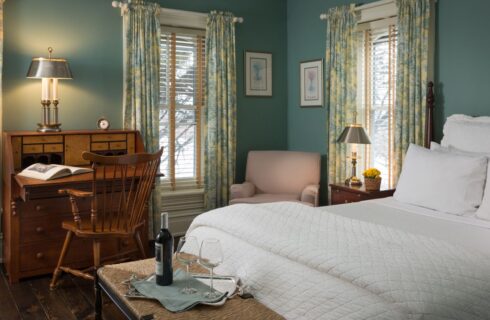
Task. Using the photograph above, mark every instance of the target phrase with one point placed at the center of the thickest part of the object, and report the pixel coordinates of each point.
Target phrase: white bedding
(307, 263)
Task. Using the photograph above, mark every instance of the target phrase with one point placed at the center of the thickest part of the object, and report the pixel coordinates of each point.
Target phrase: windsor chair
(121, 189)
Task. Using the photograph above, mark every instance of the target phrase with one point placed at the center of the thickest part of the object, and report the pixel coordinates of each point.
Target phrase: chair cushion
(282, 172)
(265, 197)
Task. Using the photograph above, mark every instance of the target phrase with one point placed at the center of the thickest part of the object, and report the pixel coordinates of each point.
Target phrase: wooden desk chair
(120, 193)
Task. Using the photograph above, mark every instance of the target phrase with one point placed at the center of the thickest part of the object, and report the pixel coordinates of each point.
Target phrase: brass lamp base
(353, 181)
(54, 127)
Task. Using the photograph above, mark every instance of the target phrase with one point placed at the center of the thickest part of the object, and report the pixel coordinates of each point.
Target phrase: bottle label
(159, 259)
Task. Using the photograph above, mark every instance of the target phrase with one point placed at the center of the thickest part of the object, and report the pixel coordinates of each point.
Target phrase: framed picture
(258, 74)
(311, 83)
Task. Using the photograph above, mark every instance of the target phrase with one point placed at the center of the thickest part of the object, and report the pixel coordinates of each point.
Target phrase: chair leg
(139, 243)
(96, 248)
(64, 250)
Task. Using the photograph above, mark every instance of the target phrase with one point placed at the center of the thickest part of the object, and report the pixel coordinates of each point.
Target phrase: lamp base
(353, 181)
(55, 127)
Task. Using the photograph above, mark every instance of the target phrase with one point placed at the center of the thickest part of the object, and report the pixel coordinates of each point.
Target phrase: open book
(51, 171)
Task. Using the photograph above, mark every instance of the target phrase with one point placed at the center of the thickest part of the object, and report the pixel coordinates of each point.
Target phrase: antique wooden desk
(33, 210)
(110, 281)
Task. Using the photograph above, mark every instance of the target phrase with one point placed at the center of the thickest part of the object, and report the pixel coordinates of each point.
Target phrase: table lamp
(354, 134)
(49, 70)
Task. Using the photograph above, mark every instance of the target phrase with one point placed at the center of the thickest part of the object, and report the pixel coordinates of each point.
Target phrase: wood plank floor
(32, 299)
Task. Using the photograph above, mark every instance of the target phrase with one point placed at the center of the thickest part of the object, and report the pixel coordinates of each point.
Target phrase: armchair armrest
(310, 194)
(74, 194)
(243, 190)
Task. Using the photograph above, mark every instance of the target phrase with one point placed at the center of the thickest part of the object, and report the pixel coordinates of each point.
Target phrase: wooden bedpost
(429, 130)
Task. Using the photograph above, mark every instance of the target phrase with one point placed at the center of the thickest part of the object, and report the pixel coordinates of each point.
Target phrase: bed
(354, 261)
(377, 259)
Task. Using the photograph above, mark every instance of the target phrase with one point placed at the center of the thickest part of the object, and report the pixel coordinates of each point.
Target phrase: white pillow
(442, 181)
(484, 211)
(467, 133)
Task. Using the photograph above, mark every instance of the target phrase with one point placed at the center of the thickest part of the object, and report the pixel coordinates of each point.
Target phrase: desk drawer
(109, 137)
(121, 145)
(48, 208)
(32, 148)
(100, 146)
(44, 228)
(45, 255)
(53, 148)
(42, 139)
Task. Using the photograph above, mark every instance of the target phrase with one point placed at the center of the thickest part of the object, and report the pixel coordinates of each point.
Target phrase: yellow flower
(371, 173)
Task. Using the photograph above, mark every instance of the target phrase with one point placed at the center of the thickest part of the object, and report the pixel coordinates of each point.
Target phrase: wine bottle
(164, 245)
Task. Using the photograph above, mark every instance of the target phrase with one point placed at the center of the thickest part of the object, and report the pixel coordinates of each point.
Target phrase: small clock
(103, 124)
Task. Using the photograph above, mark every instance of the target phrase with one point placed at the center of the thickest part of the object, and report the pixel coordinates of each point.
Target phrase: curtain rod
(323, 16)
(124, 6)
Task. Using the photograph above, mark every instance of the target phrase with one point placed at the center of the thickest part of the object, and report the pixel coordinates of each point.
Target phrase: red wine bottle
(164, 245)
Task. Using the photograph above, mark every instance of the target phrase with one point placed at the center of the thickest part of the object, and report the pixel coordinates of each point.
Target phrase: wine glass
(211, 256)
(186, 254)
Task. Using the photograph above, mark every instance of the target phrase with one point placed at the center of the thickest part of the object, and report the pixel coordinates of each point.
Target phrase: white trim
(172, 17)
(375, 11)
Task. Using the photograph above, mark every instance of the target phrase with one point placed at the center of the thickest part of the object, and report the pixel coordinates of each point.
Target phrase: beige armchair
(273, 176)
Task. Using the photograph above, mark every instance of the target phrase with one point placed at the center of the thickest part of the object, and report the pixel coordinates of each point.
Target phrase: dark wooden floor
(32, 299)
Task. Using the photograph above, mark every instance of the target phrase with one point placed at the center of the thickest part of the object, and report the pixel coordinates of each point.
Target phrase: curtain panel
(141, 110)
(141, 71)
(341, 84)
(412, 76)
(220, 109)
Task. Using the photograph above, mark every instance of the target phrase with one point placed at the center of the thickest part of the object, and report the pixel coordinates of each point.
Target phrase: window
(376, 96)
(181, 99)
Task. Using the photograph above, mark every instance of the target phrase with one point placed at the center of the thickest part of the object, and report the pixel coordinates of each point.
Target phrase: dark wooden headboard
(429, 130)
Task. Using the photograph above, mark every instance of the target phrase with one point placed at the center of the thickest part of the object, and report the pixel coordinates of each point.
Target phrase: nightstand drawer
(342, 193)
(339, 197)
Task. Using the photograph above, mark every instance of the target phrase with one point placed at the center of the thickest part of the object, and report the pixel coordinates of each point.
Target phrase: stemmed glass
(186, 254)
(211, 256)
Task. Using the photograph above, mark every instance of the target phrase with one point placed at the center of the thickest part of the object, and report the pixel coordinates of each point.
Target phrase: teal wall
(89, 34)
(462, 66)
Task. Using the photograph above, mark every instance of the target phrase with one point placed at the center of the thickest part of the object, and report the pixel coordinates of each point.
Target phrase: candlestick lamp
(49, 70)
(354, 134)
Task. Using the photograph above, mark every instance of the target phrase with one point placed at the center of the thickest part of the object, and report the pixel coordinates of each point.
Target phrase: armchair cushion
(282, 172)
(243, 190)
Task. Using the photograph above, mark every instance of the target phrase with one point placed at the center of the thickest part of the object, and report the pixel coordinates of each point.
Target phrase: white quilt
(305, 263)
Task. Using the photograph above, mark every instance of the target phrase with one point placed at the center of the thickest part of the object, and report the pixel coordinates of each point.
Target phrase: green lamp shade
(354, 134)
(49, 68)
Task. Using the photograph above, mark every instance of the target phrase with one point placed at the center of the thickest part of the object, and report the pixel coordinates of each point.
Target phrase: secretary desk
(33, 210)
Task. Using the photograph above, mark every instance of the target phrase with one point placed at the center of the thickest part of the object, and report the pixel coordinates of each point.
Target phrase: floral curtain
(220, 111)
(141, 37)
(341, 84)
(141, 71)
(412, 76)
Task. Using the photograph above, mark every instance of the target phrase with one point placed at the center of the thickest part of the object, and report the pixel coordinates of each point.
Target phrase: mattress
(468, 231)
(371, 260)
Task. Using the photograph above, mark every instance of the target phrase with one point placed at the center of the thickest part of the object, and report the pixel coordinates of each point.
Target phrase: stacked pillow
(452, 177)
(443, 181)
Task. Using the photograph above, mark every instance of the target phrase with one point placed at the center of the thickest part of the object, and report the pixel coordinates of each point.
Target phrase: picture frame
(258, 74)
(311, 83)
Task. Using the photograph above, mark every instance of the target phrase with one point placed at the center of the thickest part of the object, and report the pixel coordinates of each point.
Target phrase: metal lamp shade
(354, 134)
(49, 68)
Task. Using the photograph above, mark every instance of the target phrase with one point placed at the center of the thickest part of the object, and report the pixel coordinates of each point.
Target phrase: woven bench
(110, 281)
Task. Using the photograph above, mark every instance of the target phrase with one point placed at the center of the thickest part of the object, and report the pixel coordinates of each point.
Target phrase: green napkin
(171, 297)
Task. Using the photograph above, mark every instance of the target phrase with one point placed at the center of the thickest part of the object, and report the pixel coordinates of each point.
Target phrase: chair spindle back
(121, 186)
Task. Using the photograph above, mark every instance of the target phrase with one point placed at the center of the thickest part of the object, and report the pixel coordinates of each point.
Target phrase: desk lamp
(49, 70)
(354, 134)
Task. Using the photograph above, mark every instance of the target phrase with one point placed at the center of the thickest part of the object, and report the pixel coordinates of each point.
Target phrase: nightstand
(341, 193)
